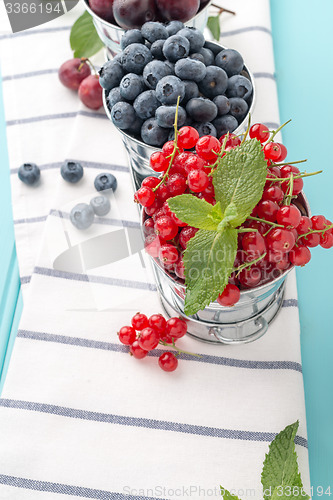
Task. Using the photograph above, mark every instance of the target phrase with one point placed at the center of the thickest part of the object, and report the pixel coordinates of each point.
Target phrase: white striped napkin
(78, 416)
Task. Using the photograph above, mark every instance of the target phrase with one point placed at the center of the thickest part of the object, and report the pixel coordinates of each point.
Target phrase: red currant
(148, 339)
(253, 244)
(273, 193)
(176, 184)
(176, 328)
(153, 244)
(284, 152)
(180, 268)
(168, 362)
(230, 296)
(127, 335)
(197, 180)
(187, 137)
(194, 162)
(300, 256)
(288, 216)
(272, 151)
(318, 222)
(150, 182)
(250, 276)
(311, 240)
(259, 131)
(232, 142)
(286, 172)
(159, 162)
(168, 254)
(136, 351)
(267, 210)
(158, 323)
(139, 321)
(162, 193)
(326, 239)
(145, 196)
(260, 226)
(304, 226)
(168, 148)
(185, 235)
(207, 147)
(148, 226)
(166, 227)
(280, 240)
(153, 208)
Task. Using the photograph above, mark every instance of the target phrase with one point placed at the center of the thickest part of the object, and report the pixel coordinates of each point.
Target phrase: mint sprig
(84, 39)
(239, 179)
(280, 476)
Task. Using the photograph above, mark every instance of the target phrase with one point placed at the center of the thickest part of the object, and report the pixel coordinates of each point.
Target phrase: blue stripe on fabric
(85, 164)
(262, 74)
(202, 358)
(25, 279)
(29, 74)
(33, 119)
(246, 29)
(35, 32)
(67, 489)
(146, 423)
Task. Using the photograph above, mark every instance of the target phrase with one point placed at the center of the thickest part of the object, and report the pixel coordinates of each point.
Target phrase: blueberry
(201, 109)
(154, 72)
(190, 69)
(176, 47)
(169, 89)
(82, 216)
(173, 27)
(214, 47)
(29, 173)
(135, 128)
(170, 65)
(198, 57)
(191, 90)
(239, 86)
(105, 181)
(118, 58)
(129, 37)
(223, 104)
(100, 205)
(208, 56)
(123, 115)
(153, 31)
(135, 58)
(131, 86)
(71, 171)
(157, 49)
(238, 108)
(153, 134)
(165, 116)
(206, 128)
(110, 75)
(230, 60)
(146, 104)
(215, 82)
(224, 124)
(194, 36)
(114, 96)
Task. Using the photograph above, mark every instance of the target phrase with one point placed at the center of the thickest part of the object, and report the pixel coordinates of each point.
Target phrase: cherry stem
(175, 149)
(238, 269)
(273, 224)
(222, 9)
(86, 60)
(278, 130)
(287, 199)
(314, 231)
(179, 351)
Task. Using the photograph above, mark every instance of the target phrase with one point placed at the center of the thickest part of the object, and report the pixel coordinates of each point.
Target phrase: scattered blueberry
(153, 134)
(100, 205)
(190, 69)
(110, 75)
(105, 181)
(146, 104)
(131, 36)
(215, 82)
(223, 104)
(230, 60)
(238, 108)
(153, 31)
(173, 27)
(154, 72)
(195, 37)
(239, 86)
(135, 58)
(176, 47)
(131, 86)
(82, 216)
(29, 173)
(71, 171)
(169, 89)
(224, 124)
(165, 116)
(206, 128)
(114, 96)
(123, 115)
(201, 109)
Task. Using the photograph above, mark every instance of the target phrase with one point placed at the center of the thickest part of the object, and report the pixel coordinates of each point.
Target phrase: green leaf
(227, 495)
(196, 212)
(239, 179)
(208, 259)
(213, 24)
(84, 39)
(280, 471)
(230, 214)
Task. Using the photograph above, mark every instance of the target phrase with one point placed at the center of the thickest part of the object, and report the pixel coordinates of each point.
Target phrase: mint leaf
(213, 24)
(227, 495)
(280, 477)
(239, 178)
(230, 214)
(84, 39)
(209, 259)
(196, 212)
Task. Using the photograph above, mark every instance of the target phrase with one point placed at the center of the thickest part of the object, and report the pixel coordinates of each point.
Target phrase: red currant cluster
(145, 334)
(282, 232)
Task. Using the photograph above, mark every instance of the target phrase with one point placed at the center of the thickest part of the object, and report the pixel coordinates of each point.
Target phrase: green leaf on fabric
(227, 495)
(213, 24)
(196, 212)
(84, 39)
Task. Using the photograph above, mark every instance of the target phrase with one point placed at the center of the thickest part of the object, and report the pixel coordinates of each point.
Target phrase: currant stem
(297, 176)
(322, 231)
(219, 155)
(265, 221)
(179, 351)
(287, 199)
(238, 269)
(288, 163)
(247, 130)
(278, 130)
(247, 230)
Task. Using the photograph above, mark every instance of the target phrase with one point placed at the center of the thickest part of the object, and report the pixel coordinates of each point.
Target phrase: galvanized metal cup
(139, 153)
(244, 322)
(111, 34)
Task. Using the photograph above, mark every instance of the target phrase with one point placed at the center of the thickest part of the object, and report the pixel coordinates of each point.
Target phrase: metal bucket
(244, 322)
(139, 153)
(111, 34)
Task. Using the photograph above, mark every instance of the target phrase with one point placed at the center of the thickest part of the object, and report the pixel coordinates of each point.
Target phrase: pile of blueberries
(160, 63)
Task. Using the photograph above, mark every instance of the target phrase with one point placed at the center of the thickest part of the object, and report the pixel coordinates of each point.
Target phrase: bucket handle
(217, 331)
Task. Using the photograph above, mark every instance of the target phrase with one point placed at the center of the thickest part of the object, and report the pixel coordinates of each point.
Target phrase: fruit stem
(322, 231)
(247, 130)
(238, 269)
(297, 176)
(287, 199)
(86, 60)
(247, 230)
(288, 163)
(219, 155)
(179, 351)
(265, 221)
(278, 130)
(222, 9)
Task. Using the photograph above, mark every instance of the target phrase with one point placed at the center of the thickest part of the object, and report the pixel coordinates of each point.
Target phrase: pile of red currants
(282, 235)
(145, 334)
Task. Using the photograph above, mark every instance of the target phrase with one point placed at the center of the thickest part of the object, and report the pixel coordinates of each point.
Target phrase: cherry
(207, 147)
(267, 210)
(127, 335)
(179, 11)
(176, 328)
(185, 235)
(288, 216)
(272, 151)
(159, 162)
(148, 339)
(260, 132)
(103, 8)
(136, 351)
(168, 362)
(230, 296)
(139, 321)
(131, 14)
(153, 244)
(280, 240)
(91, 93)
(72, 72)
(168, 254)
(187, 137)
(300, 256)
(197, 180)
(158, 323)
(145, 196)
(176, 184)
(166, 227)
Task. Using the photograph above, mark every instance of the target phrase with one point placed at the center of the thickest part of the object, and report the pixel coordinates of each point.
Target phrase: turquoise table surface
(303, 40)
